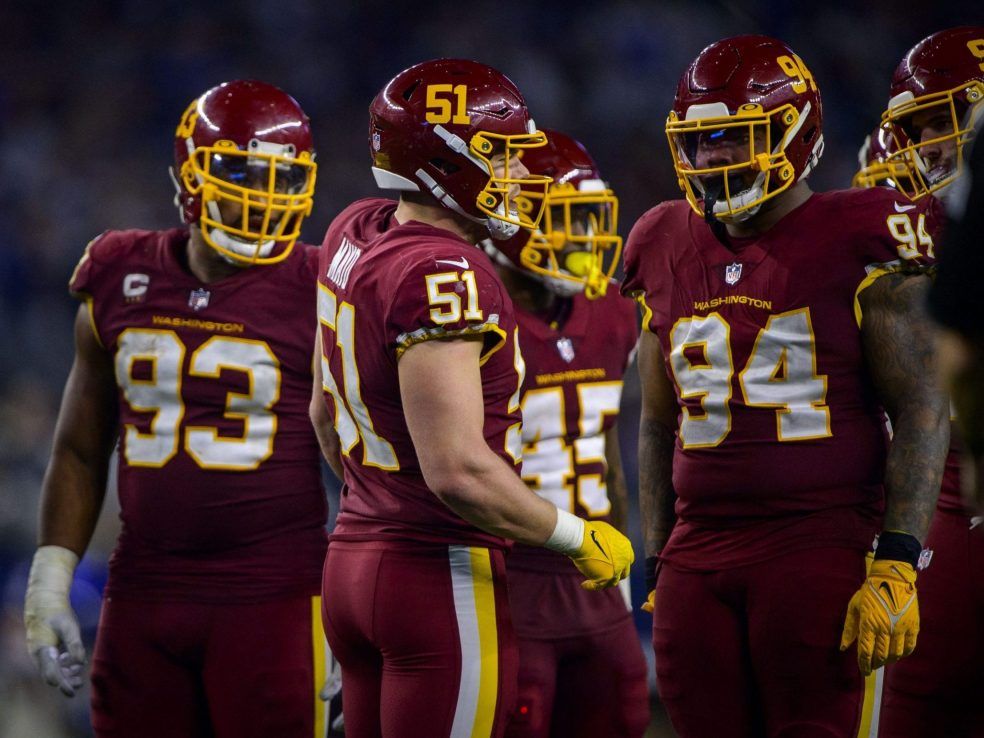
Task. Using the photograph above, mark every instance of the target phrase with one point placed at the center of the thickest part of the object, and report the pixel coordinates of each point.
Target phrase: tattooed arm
(657, 434)
(897, 340)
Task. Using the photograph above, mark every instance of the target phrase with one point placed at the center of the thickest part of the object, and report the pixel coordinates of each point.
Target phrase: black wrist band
(651, 562)
(898, 546)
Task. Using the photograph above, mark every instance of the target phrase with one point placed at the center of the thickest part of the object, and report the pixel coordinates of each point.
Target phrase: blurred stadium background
(91, 91)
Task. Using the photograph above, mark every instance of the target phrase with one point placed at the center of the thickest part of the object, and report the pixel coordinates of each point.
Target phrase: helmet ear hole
(408, 92)
(444, 166)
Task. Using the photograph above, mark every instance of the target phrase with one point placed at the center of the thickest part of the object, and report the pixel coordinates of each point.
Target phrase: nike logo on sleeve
(461, 264)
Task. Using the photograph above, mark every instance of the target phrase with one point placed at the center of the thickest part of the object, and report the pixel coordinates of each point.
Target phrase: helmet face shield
(757, 170)
(577, 240)
(257, 198)
(951, 115)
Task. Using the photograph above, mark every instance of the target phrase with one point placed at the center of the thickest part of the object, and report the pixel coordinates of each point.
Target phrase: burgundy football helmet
(878, 165)
(436, 127)
(245, 147)
(941, 79)
(576, 246)
(754, 88)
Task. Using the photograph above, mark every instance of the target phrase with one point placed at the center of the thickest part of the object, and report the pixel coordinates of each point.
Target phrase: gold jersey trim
(406, 340)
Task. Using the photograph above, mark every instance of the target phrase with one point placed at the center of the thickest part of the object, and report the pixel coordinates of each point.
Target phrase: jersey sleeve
(902, 234)
(89, 282)
(898, 236)
(84, 279)
(634, 283)
(440, 298)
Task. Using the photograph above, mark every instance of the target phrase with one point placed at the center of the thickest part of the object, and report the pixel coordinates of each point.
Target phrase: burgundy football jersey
(219, 468)
(383, 287)
(571, 398)
(779, 426)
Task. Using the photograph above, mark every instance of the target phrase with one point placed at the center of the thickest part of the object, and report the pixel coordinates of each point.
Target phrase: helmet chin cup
(500, 229)
(750, 195)
(234, 250)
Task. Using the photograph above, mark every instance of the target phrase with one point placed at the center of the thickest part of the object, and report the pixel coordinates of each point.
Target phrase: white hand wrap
(53, 636)
(567, 535)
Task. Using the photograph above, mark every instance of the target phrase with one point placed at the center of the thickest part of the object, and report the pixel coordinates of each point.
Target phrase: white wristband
(52, 570)
(567, 535)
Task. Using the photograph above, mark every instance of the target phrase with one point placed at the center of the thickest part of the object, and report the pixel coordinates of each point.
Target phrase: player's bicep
(87, 419)
(445, 420)
(659, 401)
(897, 341)
(75, 482)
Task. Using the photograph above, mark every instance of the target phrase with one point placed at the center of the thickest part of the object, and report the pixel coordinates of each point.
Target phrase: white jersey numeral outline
(780, 374)
(161, 394)
(549, 462)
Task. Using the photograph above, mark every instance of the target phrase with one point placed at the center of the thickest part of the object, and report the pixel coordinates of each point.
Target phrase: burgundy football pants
(423, 634)
(582, 687)
(939, 689)
(208, 671)
(753, 651)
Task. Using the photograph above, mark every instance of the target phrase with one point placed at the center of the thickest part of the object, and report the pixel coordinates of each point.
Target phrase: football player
(937, 94)
(422, 377)
(778, 323)
(581, 668)
(193, 354)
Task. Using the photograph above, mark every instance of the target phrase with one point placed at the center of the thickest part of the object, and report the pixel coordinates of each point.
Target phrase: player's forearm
(656, 495)
(914, 470)
(618, 496)
(71, 499)
(898, 343)
(328, 441)
(618, 493)
(489, 495)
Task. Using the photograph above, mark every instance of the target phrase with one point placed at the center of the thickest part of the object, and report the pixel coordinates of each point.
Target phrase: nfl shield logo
(375, 141)
(925, 556)
(198, 299)
(732, 273)
(566, 349)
